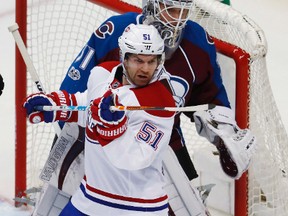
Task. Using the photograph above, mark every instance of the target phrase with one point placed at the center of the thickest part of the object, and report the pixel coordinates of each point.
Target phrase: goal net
(55, 32)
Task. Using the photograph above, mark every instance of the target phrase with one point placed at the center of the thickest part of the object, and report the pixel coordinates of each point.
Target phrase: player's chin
(142, 82)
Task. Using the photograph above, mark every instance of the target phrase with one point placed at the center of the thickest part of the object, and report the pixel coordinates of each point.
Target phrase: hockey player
(123, 150)
(1, 84)
(190, 60)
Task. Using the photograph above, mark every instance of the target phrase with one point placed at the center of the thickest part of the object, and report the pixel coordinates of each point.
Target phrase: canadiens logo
(74, 74)
(106, 28)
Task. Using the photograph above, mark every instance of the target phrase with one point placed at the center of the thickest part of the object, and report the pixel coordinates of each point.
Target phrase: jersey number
(85, 56)
(149, 134)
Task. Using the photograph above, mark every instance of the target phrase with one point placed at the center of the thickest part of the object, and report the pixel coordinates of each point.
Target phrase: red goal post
(44, 25)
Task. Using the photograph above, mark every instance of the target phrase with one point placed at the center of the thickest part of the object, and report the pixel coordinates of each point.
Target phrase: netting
(58, 29)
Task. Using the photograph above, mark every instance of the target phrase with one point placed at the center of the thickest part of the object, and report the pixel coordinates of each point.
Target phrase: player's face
(172, 14)
(140, 68)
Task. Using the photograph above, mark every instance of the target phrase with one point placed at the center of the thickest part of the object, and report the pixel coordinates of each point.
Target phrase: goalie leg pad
(184, 199)
(64, 167)
(61, 171)
(52, 202)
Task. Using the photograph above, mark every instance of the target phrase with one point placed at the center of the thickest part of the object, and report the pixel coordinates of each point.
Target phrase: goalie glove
(236, 146)
(53, 99)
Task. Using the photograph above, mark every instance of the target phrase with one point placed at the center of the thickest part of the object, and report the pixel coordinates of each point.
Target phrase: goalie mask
(145, 40)
(169, 17)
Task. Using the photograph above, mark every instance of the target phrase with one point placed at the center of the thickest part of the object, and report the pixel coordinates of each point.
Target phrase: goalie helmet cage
(56, 30)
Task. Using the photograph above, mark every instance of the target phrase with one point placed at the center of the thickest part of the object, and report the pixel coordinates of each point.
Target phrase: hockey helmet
(140, 39)
(169, 26)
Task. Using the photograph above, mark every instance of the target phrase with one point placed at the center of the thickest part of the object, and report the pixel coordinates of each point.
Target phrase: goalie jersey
(193, 69)
(125, 176)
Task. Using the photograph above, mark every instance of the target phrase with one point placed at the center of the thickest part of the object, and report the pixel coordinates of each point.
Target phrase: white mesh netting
(58, 29)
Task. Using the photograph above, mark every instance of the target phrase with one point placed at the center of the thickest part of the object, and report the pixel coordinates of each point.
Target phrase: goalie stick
(29, 64)
(22, 48)
(131, 108)
(184, 199)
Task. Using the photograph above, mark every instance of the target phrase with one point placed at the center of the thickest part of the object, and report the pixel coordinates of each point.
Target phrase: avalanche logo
(106, 28)
(180, 89)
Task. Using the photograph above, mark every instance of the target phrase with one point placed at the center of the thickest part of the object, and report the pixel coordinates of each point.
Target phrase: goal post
(55, 31)
(242, 62)
(20, 93)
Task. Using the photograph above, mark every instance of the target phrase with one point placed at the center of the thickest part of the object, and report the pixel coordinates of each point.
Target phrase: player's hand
(1, 84)
(108, 124)
(53, 99)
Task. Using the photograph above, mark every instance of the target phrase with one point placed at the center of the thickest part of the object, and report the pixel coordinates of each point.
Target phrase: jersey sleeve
(147, 134)
(101, 46)
(81, 101)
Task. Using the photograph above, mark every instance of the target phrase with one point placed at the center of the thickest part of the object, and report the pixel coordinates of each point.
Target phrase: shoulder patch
(74, 74)
(106, 28)
(155, 94)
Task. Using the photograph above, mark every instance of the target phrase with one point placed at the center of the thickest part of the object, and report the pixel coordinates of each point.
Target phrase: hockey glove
(1, 84)
(53, 99)
(236, 146)
(108, 124)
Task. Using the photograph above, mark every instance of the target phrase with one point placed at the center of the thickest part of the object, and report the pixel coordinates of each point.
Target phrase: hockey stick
(131, 108)
(29, 64)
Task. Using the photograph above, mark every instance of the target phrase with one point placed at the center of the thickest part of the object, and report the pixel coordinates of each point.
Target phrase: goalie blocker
(236, 146)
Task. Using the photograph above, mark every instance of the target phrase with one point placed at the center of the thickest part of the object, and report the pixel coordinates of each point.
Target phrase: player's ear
(125, 62)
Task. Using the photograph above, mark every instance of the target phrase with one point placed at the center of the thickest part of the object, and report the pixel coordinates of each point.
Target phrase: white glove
(236, 146)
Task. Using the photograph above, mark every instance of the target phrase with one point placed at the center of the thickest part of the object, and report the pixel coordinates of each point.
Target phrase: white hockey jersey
(124, 177)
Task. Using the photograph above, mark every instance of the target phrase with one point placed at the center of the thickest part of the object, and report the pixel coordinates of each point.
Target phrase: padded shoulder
(109, 65)
(156, 95)
(100, 73)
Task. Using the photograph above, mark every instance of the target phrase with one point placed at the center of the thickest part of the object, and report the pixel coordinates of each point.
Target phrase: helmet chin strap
(126, 76)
